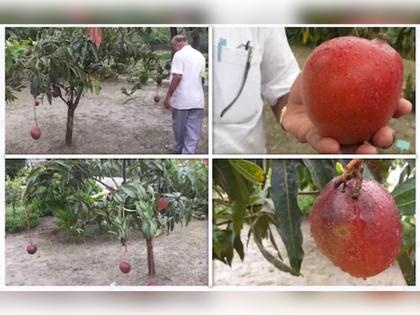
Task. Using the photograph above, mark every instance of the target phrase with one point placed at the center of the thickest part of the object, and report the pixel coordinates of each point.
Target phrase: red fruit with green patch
(125, 267)
(162, 204)
(360, 234)
(31, 249)
(35, 133)
(351, 86)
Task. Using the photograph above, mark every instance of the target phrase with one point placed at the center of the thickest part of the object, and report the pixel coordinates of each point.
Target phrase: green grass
(17, 222)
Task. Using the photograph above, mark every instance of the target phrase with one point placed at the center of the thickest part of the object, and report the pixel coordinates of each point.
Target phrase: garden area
(98, 222)
(304, 40)
(314, 222)
(92, 90)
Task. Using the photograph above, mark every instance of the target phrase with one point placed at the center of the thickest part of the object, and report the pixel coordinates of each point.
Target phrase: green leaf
(407, 268)
(130, 191)
(305, 37)
(222, 245)
(275, 261)
(322, 171)
(239, 247)
(238, 189)
(251, 171)
(376, 169)
(405, 196)
(284, 185)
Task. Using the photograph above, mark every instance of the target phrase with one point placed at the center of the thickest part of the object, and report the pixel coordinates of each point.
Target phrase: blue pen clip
(222, 43)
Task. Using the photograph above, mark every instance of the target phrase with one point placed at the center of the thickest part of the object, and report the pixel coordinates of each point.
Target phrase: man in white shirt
(255, 64)
(185, 95)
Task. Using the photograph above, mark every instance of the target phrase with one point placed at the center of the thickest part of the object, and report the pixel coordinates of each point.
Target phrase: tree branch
(112, 189)
(311, 192)
(62, 98)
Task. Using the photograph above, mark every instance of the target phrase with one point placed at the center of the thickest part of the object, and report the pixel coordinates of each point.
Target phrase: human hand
(167, 102)
(296, 122)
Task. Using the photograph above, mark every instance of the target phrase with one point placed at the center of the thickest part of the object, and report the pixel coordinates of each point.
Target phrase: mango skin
(162, 204)
(351, 86)
(361, 236)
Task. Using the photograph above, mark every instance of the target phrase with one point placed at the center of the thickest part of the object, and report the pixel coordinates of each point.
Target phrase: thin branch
(223, 222)
(64, 100)
(230, 221)
(112, 178)
(311, 192)
(112, 189)
(78, 96)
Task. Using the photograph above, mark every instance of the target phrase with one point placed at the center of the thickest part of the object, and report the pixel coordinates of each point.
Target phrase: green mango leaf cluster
(77, 194)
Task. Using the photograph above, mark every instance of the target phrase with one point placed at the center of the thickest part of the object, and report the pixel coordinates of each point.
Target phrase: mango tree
(150, 196)
(150, 204)
(62, 64)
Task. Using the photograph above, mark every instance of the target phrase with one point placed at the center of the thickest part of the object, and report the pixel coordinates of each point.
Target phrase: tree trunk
(69, 132)
(124, 167)
(72, 104)
(174, 31)
(196, 42)
(150, 257)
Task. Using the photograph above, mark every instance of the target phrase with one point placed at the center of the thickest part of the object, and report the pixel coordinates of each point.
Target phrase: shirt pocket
(229, 75)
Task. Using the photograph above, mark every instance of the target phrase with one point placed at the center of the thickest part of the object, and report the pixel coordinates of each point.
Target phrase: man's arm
(176, 78)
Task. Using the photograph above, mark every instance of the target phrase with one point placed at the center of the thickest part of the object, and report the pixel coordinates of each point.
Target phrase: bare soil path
(108, 123)
(181, 259)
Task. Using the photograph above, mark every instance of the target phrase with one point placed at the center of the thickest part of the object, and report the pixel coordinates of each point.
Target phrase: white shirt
(273, 71)
(190, 63)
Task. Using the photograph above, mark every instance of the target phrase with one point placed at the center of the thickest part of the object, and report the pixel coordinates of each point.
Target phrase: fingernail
(393, 141)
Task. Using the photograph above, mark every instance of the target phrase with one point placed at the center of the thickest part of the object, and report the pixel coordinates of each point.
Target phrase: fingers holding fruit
(404, 107)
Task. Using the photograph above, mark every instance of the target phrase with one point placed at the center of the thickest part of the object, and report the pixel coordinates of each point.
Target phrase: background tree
(13, 166)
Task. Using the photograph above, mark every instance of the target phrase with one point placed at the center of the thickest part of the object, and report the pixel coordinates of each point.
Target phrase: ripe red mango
(31, 249)
(361, 236)
(351, 86)
(125, 267)
(162, 204)
(35, 133)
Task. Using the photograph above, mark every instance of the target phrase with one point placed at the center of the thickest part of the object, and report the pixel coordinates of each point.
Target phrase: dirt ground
(180, 259)
(280, 142)
(316, 268)
(108, 123)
